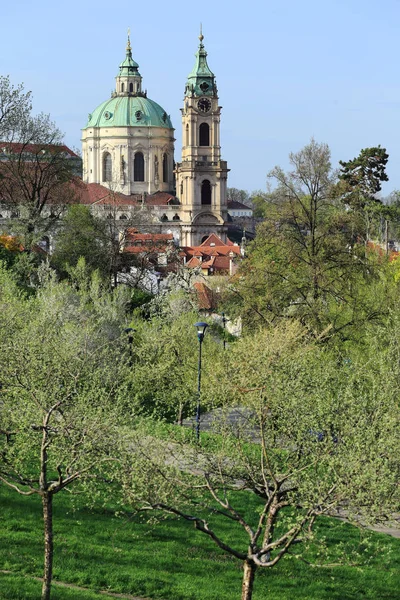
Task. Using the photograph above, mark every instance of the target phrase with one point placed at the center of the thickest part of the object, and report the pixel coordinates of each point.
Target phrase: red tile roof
(17, 148)
(205, 296)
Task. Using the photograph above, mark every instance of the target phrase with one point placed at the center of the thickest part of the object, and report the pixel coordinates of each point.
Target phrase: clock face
(204, 105)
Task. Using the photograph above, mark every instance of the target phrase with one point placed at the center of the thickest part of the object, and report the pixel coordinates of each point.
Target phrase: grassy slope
(169, 561)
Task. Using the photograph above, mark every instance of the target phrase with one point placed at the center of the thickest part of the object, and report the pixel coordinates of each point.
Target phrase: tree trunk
(47, 502)
(249, 571)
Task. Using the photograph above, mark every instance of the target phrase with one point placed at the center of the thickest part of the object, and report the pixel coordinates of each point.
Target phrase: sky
(286, 71)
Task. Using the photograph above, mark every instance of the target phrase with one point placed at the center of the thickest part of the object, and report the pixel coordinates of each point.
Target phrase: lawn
(169, 560)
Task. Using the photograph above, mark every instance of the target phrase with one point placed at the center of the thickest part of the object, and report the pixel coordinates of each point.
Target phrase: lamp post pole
(130, 331)
(224, 324)
(201, 329)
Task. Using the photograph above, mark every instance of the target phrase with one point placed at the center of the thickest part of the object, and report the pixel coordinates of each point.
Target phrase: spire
(201, 36)
(128, 45)
(201, 80)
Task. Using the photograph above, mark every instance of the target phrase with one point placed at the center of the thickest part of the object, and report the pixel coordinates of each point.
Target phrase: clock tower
(201, 176)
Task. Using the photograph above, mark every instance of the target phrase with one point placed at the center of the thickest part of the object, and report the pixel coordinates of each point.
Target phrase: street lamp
(201, 329)
(130, 331)
(224, 324)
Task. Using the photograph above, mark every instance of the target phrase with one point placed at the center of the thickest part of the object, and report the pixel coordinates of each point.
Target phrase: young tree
(63, 368)
(315, 435)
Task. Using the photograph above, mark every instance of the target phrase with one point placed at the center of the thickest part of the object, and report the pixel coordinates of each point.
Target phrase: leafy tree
(82, 235)
(165, 355)
(362, 178)
(305, 261)
(63, 366)
(316, 435)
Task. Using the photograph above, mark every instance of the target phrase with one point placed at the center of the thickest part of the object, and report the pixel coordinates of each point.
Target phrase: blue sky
(286, 71)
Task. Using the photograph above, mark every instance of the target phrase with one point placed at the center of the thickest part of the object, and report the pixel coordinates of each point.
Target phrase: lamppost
(130, 331)
(201, 329)
(224, 324)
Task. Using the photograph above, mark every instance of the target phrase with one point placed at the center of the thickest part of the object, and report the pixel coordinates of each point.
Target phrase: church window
(187, 135)
(138, 167)
(206, 192)
(204, 131)
(107, 167)
(122, 87)
(164, 217)
(176, 217)
(165, 168)
(131, 88)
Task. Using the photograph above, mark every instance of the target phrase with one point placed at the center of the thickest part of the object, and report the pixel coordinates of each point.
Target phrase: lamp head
(201, 329)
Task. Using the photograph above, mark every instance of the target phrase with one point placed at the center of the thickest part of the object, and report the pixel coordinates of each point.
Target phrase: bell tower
(201, 176)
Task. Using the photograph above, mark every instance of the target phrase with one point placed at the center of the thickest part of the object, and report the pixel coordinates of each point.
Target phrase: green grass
(170, 560)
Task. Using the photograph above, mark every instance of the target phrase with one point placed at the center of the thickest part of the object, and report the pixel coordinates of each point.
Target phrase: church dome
(129, 111)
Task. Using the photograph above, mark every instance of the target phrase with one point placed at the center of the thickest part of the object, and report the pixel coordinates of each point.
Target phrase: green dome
(129, 111)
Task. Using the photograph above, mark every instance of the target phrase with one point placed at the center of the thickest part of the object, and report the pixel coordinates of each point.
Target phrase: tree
(37, 173)
(316, 435)
(305, 261)
(82, 235)
(362, 178)
(63, 368)
(15, 104)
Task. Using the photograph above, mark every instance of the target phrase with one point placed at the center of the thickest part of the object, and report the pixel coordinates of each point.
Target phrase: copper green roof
(129, 111)
(128, 66)
(201, 80)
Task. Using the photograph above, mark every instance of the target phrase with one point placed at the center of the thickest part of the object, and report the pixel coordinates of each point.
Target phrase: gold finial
(128, 45)
(201, 36)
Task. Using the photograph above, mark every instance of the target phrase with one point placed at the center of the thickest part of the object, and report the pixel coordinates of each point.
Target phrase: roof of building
(97, 194)
(128, 65)
(212, 253)
(205, 296)
(235, 205)
(137, 243)
(129, 111)
(35, 149)
(201, 80)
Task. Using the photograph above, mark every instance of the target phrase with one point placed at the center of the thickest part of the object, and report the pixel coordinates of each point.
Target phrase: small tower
(201, 177)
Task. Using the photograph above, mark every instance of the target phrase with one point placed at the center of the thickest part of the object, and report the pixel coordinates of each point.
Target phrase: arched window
(107, 167)
(187, 135)
(122, 87)
(206, 192)
(164, 217)
(138, 167)
(131, 88)
(176, 217)
(122, 217)
(204, 132)
(165, 168)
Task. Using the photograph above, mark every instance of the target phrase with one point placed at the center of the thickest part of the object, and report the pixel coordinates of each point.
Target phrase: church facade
(128, 148)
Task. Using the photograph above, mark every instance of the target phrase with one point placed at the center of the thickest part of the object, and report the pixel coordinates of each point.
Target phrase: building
(213, 256)
(128, 148)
